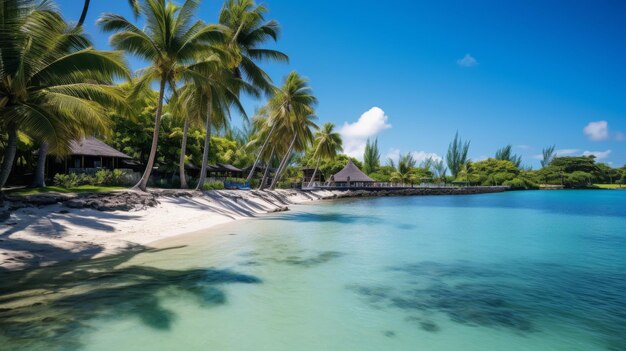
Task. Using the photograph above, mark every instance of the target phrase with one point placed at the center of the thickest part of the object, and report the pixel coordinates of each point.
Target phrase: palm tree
(300, 128)
(404, 169)
(294, 98)
(39, 180)
(53, 85)
(326, 145)
(246, 21)
(216, 92)
(171, 42)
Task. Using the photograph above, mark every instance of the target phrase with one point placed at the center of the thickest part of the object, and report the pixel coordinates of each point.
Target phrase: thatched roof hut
(351, 173)
(91, 146)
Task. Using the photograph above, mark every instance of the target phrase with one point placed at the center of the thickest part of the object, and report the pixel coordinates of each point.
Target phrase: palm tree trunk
(40, 171)
(205, 152)
(258, 157)
(9, 154)
(283, 163)
(267, 170)
(315, 171)
(83, 15)
(143, 182)
(183, 150)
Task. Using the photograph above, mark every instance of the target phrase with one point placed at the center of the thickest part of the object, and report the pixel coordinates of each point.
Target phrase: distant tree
(548, 155)
(506, 154)
(371, 157)
(326, 144)
(440, 170)
(404, 169)
(457, 155)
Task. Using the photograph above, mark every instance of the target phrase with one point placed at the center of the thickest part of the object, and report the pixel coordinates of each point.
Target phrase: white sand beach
(43, 236)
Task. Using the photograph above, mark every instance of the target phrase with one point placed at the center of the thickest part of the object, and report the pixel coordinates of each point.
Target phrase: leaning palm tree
(134, 5)
(294, 98)
(326, 145)
(171, 42)
(300, 128)
(53, 85)
(246, 22)
(216, 93)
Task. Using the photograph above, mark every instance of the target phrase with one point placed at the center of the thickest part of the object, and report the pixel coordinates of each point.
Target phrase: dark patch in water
(429, 326)
(250, 263)
(389, 333)
(322, 257)
(71, 296)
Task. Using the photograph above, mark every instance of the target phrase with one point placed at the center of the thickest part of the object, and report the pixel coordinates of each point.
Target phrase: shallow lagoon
(512, 271)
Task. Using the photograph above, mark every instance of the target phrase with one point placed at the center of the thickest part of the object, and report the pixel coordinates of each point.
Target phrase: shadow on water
(307, 262)
(49, 308)
(522, 297)
(334, 217)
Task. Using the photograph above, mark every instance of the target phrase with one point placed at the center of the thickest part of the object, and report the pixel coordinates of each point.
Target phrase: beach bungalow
(224, 170)
(87, 156)
(351, 176)
(307, 174)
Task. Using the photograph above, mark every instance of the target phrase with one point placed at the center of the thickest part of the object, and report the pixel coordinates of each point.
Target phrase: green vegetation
(58, 189)
(610, 186)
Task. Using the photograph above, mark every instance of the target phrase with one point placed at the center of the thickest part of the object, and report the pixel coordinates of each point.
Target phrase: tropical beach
(237, 175)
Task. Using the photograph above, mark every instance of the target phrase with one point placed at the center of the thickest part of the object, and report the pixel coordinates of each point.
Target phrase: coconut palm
(246, 21)
(299, 127)
(39, 180)
(404, 169)
(457, 155)
(294, 98)
(326, 145)
(53, 85)
(215, 93)
(171, 42)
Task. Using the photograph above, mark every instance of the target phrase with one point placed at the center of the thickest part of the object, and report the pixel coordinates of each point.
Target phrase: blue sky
(411, 73)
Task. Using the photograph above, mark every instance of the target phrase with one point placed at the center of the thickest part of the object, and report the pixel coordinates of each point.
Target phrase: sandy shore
(46, 235)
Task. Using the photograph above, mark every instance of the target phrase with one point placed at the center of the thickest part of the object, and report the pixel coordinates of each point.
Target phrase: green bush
(521, 183)
(213, 185)
(116, 177)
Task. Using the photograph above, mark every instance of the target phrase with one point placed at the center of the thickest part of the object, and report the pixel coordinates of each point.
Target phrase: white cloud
(418, 156)
(393, 154)
(561, 152)
(597, 130)
(368, 126)
(565, 152)
(598, 154)
(421, 156)
(467, 61)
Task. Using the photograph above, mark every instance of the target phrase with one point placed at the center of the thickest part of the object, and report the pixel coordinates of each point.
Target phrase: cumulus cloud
(561, 152)
(393, 154)
(597, 130)
(467, 61)
(418, 156)
(421, 156)
(368, 126)
(565, 152)
(598, 154)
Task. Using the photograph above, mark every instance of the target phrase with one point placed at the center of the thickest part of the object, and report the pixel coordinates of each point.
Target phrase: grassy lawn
(57, 189)
(611, 186)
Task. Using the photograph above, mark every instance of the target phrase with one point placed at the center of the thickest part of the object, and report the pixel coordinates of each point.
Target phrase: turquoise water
(534, 270)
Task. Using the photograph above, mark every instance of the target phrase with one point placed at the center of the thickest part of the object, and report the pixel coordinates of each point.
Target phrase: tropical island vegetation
(174, 117)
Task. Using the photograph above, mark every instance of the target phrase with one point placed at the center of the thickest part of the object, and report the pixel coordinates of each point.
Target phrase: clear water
(513, 271)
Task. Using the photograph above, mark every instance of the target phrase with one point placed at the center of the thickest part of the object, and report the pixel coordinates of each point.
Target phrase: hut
(223, 170)
(87, 156)
(351, 176)
(307, 174)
